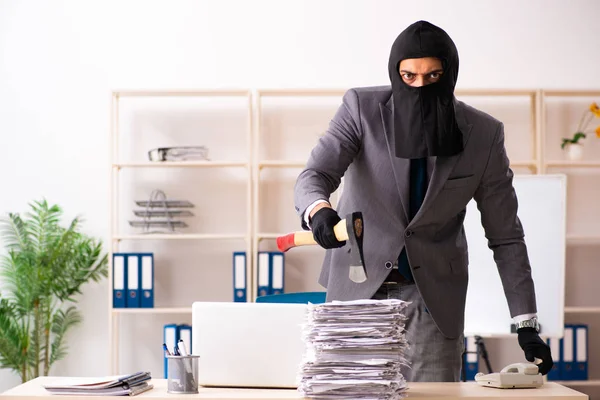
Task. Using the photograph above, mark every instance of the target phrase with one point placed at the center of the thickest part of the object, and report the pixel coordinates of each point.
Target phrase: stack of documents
(123, 385)
(354, 350)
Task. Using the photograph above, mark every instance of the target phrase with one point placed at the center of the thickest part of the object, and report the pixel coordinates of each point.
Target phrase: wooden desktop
(33, 390)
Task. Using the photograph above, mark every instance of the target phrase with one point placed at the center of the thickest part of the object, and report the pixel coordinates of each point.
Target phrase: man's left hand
(534, 347)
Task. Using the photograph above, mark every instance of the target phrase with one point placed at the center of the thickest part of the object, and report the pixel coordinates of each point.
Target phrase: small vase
(574, 151)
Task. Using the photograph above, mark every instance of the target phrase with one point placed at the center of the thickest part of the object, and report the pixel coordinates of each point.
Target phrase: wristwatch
(529, 323)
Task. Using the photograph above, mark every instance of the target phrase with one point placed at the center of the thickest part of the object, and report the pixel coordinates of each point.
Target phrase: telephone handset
(517, 375)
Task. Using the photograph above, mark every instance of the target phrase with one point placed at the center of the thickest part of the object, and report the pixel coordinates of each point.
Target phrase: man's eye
(434, 75)
(408, 76)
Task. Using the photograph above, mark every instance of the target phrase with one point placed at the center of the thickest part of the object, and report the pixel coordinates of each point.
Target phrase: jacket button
(408, 233)
(388, 265)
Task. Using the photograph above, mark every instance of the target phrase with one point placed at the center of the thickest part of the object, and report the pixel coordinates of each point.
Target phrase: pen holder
(182, 374)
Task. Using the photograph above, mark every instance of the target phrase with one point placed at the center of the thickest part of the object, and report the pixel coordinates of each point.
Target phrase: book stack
(354, 350)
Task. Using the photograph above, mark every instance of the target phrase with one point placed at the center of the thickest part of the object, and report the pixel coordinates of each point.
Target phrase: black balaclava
(424, 121)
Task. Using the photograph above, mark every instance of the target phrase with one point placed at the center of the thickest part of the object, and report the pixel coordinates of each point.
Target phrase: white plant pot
(574, 151)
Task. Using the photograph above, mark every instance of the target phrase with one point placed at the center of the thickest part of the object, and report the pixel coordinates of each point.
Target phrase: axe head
(354, 227)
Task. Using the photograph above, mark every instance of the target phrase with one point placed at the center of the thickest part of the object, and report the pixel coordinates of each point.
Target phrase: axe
(350, 229)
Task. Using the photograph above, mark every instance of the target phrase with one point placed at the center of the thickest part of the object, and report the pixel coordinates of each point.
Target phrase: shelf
(583, 310)
(163, 310)
(301, 92)
(495, 92)
(302, 164)
(180, 92)
(573, 164)
(281, 164)
(583, 239)
(182, 164)
(571, 239)
(181, 236)
(591, 382)
(340, 92)
(571, 93)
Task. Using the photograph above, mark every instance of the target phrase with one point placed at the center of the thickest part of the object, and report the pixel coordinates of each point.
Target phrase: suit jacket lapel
(400, 166)
(444, 165)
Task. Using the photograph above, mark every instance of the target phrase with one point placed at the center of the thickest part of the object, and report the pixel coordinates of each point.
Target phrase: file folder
(277, 272)
(147, 280)
(555, 349)
(263, 274)
(119, 280)
(580, 372)
(184, 332)
(471, 358)
(170, 339)
(133, 281)
(568, 354)
(239, 276)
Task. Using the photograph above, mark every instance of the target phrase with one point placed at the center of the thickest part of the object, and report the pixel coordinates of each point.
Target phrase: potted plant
(572, 145)
(44, 267)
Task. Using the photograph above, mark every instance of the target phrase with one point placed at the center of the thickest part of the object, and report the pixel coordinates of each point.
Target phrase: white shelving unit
(536, 159)
(117, 166)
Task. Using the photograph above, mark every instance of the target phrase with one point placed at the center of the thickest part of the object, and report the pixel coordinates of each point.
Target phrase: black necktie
(418, 188)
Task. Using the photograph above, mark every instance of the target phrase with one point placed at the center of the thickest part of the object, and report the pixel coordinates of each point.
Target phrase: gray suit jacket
(359, 145)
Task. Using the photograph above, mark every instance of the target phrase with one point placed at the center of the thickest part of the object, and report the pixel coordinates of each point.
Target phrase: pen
(176, 350)
(181, 347)
(166, 349)
(189, 370)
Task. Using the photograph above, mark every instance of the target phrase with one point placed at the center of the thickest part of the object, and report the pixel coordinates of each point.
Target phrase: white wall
(60, 59)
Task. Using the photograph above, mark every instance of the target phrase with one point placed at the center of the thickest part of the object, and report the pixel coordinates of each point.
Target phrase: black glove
(534, 347)
(322, 224)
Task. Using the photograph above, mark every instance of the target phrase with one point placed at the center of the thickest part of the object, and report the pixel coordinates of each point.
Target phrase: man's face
(420, 71)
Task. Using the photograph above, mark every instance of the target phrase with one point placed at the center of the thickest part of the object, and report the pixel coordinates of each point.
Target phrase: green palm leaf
(61, 323)
(15, 233)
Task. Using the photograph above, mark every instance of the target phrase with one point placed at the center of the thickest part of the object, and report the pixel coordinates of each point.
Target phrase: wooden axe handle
(303, 238)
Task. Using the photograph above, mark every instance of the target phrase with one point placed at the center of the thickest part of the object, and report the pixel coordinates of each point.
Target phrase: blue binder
(133, 281)
(239, 276)
(184, 332)
(568, 354)
(277, 272)
(170, 339)
(264, 272)
(146, 271)
(119, 280)
(471, 358)
(580, 371)
(556, 351)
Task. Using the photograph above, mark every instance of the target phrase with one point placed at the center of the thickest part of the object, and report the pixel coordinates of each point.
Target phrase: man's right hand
(322, 223)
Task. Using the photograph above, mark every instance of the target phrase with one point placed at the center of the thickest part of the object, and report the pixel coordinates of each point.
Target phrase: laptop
(248, 344)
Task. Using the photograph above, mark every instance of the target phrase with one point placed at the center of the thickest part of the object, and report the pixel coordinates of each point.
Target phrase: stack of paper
(119, 385)
(354, 350)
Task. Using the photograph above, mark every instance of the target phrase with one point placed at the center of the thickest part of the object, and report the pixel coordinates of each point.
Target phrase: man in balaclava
(412, 157)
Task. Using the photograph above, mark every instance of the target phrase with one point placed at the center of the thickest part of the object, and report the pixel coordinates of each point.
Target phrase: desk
(33, 390)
